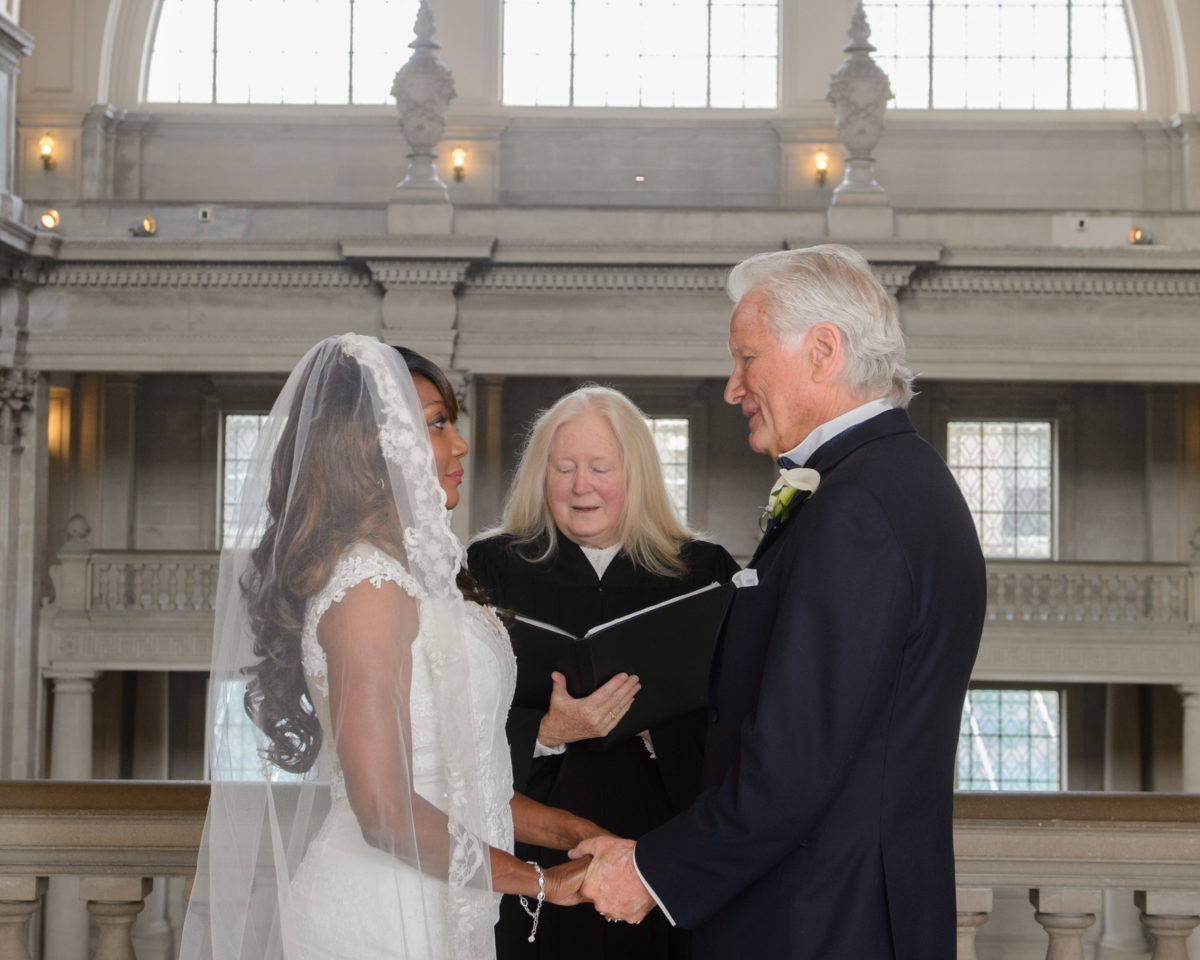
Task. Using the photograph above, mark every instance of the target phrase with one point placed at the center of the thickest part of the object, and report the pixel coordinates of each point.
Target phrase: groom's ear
(824, 346)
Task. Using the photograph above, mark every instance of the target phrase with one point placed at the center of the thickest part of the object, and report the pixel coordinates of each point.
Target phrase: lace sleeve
(362, 563)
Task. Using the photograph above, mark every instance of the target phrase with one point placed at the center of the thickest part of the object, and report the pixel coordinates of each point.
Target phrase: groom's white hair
(832, 283)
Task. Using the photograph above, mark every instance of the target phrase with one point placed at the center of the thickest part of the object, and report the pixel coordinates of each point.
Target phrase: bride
(368, 811)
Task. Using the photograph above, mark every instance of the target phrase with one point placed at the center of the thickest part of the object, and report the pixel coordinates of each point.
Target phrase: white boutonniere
(786, 493)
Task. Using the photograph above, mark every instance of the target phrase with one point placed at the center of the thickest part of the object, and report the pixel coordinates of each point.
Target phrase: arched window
(1005, 54)
(279, 51)
(641, 53)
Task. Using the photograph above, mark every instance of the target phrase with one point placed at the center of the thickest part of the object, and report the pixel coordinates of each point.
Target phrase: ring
(611, 715)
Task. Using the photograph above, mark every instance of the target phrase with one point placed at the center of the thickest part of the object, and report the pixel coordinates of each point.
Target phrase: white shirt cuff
(541, 750)
(650, 890)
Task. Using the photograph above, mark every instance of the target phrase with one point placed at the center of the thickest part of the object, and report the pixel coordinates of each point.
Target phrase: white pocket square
(746, 578)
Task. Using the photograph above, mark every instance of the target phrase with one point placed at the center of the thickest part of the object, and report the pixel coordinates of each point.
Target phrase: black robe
(623, 789)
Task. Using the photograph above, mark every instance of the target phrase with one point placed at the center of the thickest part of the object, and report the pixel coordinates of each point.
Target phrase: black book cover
(668, 645)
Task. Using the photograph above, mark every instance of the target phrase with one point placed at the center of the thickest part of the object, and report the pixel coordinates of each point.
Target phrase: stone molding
(899, 278)
(227, 275)
(419, 273)
(128, 644)
(1055, 283)
(600, 278)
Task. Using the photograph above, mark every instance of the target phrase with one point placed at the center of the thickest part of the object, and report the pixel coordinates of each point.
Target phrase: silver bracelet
(541, 898)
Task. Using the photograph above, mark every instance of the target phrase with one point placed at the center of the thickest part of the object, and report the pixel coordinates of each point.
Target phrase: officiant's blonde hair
(650, 532)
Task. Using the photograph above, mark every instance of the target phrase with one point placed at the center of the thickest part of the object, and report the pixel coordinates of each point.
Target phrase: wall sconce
(458, 160)
(1140, 237)
(821, 161)
(49, 219)
(46, 152)
(146, 227)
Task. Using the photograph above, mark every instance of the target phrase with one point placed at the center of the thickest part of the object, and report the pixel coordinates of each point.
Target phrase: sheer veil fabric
(353, 817)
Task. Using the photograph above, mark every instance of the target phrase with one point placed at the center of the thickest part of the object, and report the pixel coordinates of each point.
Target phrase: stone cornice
(977, 281)
(608, 279)
(151, 275)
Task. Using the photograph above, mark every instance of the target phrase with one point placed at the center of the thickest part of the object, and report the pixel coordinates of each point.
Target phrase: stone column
(974, 906)
(1065, 913)
(70, 759)
(1170, 917)
(114, 902)
(1120, 929)
(488, 490)
(420, 304)
(151, 932)
(15, 45)
(1186, 189)
(19, 898)
(22, 548)
(1190, 692)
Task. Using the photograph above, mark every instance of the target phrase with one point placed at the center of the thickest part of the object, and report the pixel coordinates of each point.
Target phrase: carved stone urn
(859, 92)
(423, 89)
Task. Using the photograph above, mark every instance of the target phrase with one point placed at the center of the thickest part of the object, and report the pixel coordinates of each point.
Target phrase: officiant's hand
(563, 882)
(582, 718)
(612, 882)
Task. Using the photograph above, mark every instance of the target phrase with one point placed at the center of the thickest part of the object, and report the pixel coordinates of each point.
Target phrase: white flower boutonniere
(783, 497)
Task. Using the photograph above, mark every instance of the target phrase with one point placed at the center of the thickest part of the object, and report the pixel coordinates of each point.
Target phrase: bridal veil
(343, 464)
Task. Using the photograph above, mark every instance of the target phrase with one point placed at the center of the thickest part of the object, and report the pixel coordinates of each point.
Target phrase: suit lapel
(824, 460)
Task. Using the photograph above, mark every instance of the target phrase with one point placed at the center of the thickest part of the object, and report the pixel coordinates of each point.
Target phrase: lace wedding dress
(347, 898)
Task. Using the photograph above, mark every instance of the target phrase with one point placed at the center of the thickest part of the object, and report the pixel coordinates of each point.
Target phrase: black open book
(668, 645)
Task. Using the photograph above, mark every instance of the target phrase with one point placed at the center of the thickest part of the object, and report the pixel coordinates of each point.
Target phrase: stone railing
(1064, 849)
(1046, 621)
(114, 836)
(1067, 849)
(1145, 596)
(141, 582)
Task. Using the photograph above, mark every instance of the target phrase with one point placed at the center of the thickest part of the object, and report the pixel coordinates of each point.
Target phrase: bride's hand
(563, 882)
(570, 718)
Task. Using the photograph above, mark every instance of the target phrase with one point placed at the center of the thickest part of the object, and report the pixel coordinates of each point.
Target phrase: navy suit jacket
(823, 829)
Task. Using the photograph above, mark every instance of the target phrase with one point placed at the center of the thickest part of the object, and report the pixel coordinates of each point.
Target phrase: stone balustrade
(1065, 849)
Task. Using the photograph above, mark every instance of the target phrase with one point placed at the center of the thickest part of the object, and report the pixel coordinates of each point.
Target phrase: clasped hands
(601, 871)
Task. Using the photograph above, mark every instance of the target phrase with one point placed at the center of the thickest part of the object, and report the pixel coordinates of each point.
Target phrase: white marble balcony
(1082, 622)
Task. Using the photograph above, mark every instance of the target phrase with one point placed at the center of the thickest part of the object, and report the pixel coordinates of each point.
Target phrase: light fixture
(146, 227)
(639, 178)
(458, 160)
(821, 161)
(49, 219)
(1140, 236)
(46, 152)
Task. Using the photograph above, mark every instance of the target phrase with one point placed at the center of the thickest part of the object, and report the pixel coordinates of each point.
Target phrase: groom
(824, 826)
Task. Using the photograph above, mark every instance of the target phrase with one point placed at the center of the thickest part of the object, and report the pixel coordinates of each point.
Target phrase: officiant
(588, 534)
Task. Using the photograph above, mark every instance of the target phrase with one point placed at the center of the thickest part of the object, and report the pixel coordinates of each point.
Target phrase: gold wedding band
(611, 715)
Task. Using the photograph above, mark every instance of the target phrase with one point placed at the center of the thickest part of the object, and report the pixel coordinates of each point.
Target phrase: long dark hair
(332, 499)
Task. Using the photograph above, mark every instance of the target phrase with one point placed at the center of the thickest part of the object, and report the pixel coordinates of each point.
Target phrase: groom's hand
(612, 883)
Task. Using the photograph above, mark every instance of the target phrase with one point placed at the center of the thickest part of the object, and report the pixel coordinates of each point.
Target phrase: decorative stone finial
(423, 89)
(77, 530)
(859, 92)
(16, 400)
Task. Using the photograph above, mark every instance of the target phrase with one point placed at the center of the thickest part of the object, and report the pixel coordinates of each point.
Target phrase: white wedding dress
(348, 899)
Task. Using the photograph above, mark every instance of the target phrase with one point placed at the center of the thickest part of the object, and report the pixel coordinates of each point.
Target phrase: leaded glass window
(1010, 740)
(1005, 469)
(279, 51)
(641, 53)
(672, 440)
(240, 434)
(1005, 54)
